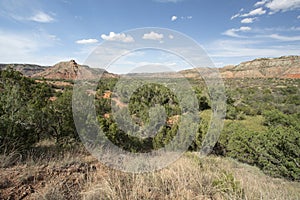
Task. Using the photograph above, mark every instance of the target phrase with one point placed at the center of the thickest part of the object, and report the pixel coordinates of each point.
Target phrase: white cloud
(245, 28)
(24, 10)
(238, 14)
(28, 47)
(283, 5)
(294, 28)
(235, 16)
(247, 20)
(260, 3)
(53, 37)
(122, 37)
(263, 33)
(17, 44)
(186, 17)
(272, 30)
(153, 36)
(233, 32)
(173, 18)
(228, 50)
(87, 41)
(284, 38)
(258, 11)
(298, 17)
(41, 17)
(171, 37)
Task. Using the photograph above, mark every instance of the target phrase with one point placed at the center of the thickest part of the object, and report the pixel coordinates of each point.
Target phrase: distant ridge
(281, 67)
(26, 69)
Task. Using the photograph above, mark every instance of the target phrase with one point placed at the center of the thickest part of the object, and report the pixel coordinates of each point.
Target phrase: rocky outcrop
(70, 70)
(282, 67)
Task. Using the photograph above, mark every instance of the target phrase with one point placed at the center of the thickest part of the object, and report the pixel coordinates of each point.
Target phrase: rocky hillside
(70, 70)
(195, 73)
(26, 69)
(282, 67)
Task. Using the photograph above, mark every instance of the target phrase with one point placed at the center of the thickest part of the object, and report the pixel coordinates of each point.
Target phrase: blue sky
(230, 31)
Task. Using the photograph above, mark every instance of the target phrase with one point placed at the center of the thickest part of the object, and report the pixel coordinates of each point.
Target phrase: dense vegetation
(27, 114)
(261, 126)
(272, 143)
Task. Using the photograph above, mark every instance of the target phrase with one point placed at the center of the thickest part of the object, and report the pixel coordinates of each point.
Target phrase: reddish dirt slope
(71, 70)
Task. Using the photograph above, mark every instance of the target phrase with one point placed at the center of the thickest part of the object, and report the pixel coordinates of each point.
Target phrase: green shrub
(22, 109)
(275, 151)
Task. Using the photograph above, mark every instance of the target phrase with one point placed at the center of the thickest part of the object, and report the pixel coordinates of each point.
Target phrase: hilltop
(70, 70)
(65, 70)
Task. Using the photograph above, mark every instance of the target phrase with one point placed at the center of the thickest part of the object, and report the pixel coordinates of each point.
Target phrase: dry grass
(188, 178)
(191, 178)
(256, 184)
(76, 175)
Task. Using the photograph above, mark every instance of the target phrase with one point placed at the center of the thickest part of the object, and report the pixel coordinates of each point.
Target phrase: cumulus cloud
(122, 37)
(171, 37)
(258, 11)
(41, 17)
(283, 5)
(173, 18)
(87, 41)
(247, 20)
(234, 31)
(153, 36)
